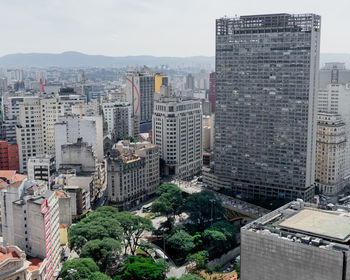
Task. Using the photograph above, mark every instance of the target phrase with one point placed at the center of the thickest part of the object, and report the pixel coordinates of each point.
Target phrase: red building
(9, 158)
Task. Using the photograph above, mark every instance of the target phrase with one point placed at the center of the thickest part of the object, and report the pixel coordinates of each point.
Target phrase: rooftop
(325, 224)
(35, 264)
(311, 224)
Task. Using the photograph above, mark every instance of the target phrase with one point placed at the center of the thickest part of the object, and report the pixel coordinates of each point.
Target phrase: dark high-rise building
(211, 96)
(266, 103)
(189, 82)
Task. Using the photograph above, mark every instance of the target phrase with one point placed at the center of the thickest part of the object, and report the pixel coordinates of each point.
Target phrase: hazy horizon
(146, 27)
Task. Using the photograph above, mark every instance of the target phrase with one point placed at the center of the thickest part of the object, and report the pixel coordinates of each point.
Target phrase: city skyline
(112, 27)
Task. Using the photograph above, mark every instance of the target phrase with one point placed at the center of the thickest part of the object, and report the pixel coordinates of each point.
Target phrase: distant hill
(76, 59)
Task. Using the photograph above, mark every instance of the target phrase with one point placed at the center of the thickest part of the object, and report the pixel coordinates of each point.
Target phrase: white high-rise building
(177, 130)
(36, 228)
(336, 99)
(69, 128)
(35, 132)
(118, 116)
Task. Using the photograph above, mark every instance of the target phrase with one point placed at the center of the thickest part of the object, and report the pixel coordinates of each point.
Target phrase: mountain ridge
(78, 59)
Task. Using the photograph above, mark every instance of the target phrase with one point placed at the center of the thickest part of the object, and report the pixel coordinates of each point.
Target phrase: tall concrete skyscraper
(140, 94)
(266, 103)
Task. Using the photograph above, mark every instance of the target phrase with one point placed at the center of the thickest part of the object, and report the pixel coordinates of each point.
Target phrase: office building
(69, 129)
(333, 72)
(9, 159)
(36, 228)
(42, 167)
(335, 99)
(69, 100)
(297, 241)
(211, 95)
(36, 129)
(118, 116)
(159, 80)
(150, 153)
(330, 154)
(3, 85)
(125, 179)
(140, 94)
(266, 104)
(189, 82)
(177, 130)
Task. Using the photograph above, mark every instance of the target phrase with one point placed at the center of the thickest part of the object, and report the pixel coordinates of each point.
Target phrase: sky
(148, 27)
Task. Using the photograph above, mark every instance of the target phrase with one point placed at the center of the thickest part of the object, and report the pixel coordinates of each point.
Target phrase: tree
(238, 269)
(180, 243)
(104, 252)
(98, 225)
(98, 276)
(203, 206)
(227, 229)
(214, 238)
(78, 269)
(200, 259)
(169, 200)
(141, 268)
(133, 227)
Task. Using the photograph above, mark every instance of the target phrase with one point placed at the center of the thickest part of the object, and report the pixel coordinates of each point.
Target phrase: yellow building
(63, 234)
(159, 80)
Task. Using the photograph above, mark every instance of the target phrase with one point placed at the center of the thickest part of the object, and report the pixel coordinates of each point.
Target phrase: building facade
(36, 228)
(119, 120)
(297, 241)
(69, 129)
(335, 99)
(125, 179)
(42, 168)
(177, 130)
(266, 104)
(140, 94)
(9, 158)
(330, 153)
(36, 129)
(150, 153)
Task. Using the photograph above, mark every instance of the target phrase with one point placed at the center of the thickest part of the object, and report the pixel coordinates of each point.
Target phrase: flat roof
(324, 224)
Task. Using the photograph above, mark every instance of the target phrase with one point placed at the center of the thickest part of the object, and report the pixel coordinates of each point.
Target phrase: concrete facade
(36, 129)
(266, 103)
(69, 128)
(330, 153)
(36, 228)
(270, 250)
(118, 116)
(177, 130)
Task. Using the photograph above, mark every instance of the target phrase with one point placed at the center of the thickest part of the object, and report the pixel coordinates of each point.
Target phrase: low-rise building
(125, 179)
(42, 167)
(297, 241)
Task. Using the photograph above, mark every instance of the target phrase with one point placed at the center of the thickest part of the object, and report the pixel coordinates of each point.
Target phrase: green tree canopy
(169, 200)
(180, 243)
(200, 259)
(78, 269)
(202, 206)
(133, 227)
(104, 252)
(227, 229)
(141, 268)
(97, 225)
(98, 276)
